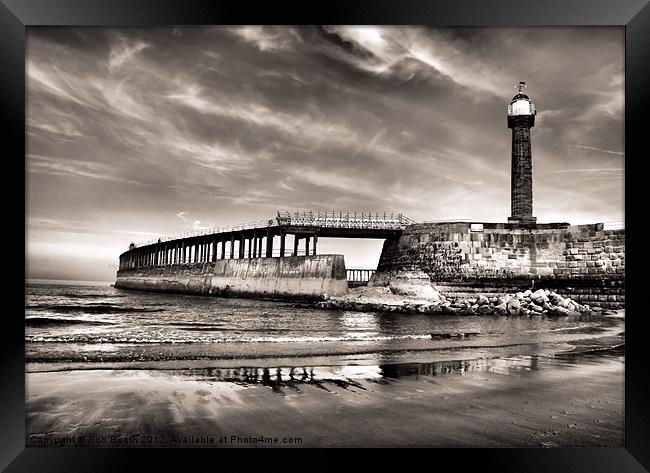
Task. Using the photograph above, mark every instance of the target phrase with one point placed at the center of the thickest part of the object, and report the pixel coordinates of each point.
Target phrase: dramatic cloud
(135, 133)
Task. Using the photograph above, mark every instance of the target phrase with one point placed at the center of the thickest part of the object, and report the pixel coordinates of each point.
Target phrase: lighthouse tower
(521, 118)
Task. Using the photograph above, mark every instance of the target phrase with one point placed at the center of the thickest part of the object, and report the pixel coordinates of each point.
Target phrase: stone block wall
(584, 257)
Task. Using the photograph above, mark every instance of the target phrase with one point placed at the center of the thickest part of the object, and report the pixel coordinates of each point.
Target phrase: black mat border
(15, 15)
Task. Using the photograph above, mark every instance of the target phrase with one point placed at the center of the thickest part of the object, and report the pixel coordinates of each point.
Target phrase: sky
(137, 133)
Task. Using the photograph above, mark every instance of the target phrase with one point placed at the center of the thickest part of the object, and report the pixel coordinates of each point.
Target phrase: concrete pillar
(250, 248)
(315, 242)
(232, 245)
(259, 249)
(269, 244)
(307, 245)
(296, 242)
(242, 245)
(282, 243)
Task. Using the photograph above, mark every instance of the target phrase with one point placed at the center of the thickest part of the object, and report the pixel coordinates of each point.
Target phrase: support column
(315, 242)
(269, 244)
(259, 249)
(250, 248)
(282, 243)
(232, 246)
(307, 238)
(296, 242)
(254, 245)
(242, 245)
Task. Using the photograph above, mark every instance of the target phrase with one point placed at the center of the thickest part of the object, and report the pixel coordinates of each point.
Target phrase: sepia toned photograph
(325, 236)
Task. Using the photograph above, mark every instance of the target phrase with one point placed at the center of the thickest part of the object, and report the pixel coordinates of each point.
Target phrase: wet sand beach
(517, 401)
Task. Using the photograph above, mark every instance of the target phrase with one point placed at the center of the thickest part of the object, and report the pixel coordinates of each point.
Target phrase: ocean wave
(73, 295)
(80, 338)
(48, 321)
(99, 308)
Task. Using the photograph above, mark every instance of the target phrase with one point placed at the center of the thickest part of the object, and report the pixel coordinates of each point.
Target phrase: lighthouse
(521, 118)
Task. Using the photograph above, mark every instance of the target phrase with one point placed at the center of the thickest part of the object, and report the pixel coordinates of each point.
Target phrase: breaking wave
(49, 321)
(82, 338)
(99, 308)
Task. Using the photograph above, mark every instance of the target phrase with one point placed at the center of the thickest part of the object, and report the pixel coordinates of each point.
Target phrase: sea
(84, 325)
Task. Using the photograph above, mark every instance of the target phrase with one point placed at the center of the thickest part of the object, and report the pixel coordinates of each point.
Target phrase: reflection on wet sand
(350, 375)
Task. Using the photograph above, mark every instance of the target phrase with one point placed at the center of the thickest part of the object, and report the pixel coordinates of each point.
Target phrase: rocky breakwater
(527, 303)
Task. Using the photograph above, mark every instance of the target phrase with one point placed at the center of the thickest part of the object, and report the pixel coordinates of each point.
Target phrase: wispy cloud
(123, 51)
(600, 150)
(588, 170)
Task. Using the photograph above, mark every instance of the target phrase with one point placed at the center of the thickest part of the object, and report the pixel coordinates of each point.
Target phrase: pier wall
(585, 261)
(314, 277)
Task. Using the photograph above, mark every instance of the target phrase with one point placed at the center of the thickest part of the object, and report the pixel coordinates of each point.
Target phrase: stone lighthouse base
(585, 262)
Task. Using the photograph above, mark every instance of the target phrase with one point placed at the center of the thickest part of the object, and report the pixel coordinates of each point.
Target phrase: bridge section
(256, 239)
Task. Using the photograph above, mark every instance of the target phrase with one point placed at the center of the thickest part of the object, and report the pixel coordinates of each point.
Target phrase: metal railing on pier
(323, 219)
(360, 275)
(340, 219)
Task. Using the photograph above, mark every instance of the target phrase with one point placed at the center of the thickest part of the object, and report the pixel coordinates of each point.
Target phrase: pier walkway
(258, 239)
